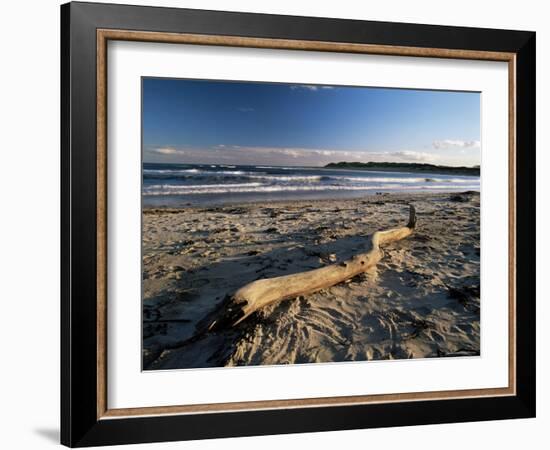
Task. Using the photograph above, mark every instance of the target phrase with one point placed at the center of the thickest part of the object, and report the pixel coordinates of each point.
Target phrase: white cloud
(282, 156)
(455, 143)
(415, 156)
(294, 153)
(309, 87)
(167, 151)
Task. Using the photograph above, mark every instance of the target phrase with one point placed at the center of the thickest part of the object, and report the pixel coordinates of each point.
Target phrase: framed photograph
(277, 224)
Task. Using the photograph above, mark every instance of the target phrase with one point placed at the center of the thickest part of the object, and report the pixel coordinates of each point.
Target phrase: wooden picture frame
(86, 418)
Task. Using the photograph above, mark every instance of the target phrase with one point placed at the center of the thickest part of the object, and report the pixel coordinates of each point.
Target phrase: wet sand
(421, 301)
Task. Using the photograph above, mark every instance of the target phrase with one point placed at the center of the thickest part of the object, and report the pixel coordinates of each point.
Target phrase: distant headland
(406, 167)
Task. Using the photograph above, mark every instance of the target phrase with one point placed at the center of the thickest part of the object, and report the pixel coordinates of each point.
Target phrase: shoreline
(368, 198)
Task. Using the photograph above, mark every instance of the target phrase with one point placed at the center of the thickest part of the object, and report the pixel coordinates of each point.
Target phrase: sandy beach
(421, 300)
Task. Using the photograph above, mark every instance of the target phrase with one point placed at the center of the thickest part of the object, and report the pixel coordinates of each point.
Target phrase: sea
(175, 185)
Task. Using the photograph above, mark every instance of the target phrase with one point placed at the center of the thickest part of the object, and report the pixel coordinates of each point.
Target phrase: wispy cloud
(412, 156)
(167, 151)
(455, 143)
(309, 87)
(230, 154)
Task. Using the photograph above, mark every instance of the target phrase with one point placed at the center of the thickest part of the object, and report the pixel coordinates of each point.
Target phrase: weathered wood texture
(260, 293)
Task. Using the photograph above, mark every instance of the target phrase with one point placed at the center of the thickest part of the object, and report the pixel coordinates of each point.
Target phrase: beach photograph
(289, 223)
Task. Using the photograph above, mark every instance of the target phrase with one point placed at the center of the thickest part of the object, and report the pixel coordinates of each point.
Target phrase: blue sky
(199, 121)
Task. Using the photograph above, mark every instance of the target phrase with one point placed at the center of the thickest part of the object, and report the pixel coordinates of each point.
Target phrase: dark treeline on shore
(408, 167)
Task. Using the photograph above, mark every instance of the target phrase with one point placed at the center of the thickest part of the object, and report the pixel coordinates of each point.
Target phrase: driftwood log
(260, 293)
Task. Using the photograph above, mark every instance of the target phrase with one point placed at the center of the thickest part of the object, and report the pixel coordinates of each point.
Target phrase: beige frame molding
(103, 36)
